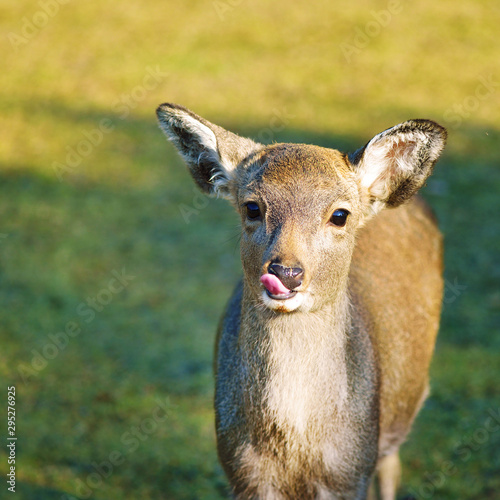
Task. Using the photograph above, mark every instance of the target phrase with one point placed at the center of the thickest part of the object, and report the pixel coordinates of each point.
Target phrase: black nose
(291, 277)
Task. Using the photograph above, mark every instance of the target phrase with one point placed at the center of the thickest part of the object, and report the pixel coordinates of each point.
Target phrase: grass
(271, 70)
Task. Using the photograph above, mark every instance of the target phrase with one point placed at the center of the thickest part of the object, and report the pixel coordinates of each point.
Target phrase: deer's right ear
(211, 152)
(395, 164)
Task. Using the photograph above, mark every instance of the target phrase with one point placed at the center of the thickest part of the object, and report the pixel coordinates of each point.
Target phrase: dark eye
(339, 217)
(253, 211)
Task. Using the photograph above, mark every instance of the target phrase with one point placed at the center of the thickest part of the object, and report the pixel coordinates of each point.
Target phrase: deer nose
(291, 277)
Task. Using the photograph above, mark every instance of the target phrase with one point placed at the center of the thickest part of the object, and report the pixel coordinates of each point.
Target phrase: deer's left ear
(211, 153)
(395, 164)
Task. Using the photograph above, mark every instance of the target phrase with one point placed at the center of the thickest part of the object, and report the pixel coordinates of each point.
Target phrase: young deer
(323, 353)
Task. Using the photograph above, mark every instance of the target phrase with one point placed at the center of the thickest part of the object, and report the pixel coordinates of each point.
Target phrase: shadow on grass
(26, 491)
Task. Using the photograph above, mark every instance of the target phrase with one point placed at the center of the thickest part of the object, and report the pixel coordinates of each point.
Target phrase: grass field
(114, 271)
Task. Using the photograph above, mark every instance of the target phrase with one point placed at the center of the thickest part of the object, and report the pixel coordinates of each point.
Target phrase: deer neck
(294, 360)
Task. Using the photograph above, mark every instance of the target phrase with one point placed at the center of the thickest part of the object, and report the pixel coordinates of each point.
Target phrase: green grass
(119, 207)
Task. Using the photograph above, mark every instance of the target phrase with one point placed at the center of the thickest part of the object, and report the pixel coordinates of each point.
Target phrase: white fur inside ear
(205, 136)
(220, 181)
(198, 144)
(207, 139)
(386, 158)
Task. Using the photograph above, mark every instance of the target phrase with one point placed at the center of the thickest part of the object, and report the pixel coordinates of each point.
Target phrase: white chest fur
(306, 367)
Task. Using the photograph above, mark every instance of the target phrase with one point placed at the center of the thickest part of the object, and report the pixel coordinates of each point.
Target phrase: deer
(322, 355)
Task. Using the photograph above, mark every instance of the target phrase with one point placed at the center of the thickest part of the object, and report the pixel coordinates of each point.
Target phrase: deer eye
(253, 211)
(339, 217)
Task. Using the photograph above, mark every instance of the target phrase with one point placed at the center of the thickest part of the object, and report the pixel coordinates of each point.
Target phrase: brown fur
(411, 306)
(316, 391)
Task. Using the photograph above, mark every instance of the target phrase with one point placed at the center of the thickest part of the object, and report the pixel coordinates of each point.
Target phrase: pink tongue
(274, 285)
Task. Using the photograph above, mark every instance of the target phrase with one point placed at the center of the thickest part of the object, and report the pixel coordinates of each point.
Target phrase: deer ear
(210, 152)
(395, 164)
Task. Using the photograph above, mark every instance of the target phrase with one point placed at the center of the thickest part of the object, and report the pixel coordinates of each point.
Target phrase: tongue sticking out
(274, 285)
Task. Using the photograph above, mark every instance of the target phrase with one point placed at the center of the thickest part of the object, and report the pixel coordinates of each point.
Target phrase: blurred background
(114, 270)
